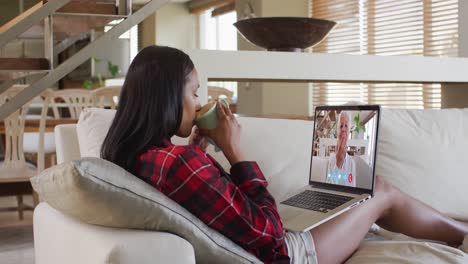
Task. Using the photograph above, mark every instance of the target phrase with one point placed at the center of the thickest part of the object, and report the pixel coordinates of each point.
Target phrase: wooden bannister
(24, 64)
(20, 17)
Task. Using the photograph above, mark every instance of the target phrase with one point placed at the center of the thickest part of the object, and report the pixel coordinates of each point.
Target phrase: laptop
(342, 167)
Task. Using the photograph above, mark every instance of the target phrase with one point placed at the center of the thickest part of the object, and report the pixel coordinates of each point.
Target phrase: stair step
(24, 64)
(74, 18)
(67, 25)
(89, 7)
(73, 62)
(13, 75)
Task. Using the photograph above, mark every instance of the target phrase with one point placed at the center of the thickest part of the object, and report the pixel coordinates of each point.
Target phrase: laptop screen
(344, 146)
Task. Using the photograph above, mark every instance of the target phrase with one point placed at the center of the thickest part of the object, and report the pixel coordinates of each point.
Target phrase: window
(387, 27)
(218, 33)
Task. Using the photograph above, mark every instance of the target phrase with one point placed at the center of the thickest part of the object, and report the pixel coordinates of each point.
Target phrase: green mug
(207, 118)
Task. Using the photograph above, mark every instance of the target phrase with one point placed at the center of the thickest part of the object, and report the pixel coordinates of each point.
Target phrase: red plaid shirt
(237, 205)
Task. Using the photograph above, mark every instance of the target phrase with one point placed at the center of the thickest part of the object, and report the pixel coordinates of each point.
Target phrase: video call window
(343, 146)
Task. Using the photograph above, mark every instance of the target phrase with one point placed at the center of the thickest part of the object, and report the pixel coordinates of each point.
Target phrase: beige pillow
(406, 252)
(92, 128)
(423, 152)
(120, 199)
(263, 140)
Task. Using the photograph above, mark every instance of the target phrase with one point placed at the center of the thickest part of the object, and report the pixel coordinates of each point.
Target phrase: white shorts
(301, 247)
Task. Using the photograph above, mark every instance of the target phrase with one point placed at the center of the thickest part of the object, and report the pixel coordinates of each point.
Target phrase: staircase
(60, 23)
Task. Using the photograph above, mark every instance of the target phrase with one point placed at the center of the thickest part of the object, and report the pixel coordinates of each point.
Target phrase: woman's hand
(226, 135)
(197, 139)
(341, 144)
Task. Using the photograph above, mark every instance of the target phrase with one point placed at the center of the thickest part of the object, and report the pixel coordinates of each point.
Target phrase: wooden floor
(16, 237)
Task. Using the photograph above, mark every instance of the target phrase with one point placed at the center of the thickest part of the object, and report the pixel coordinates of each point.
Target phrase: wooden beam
(197, 6)
(24, 64)
(218, 11)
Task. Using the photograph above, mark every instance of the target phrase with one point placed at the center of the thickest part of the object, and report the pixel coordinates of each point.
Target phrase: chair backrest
(46, 97)
(216, 92)
(74, 99)
(14, 129)
(107, 96)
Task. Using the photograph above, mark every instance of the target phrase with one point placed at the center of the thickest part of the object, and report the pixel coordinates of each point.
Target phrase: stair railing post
(49, 40)
(122, 7)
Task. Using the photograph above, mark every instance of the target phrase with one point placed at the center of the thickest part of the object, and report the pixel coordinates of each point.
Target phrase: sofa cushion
(75, 242)
(423, 152)
(120, 199)
(280, 147)
(420, 151)
(395, 251)
(92, 128)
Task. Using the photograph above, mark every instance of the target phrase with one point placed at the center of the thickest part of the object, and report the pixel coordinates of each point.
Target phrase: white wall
(249, 94)
(285, 98)
(175, 26)
(281, 8)
(118, 53)
(272, 98)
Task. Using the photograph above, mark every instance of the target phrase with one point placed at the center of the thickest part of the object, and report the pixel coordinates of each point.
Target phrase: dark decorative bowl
(284, 33)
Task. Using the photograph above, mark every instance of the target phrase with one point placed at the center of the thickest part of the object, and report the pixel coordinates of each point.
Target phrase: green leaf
(88, 84)
(113, 69)
(96, 59)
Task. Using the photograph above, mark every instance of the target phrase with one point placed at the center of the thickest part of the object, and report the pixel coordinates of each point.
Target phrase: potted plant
(359, 128)
(112, 69)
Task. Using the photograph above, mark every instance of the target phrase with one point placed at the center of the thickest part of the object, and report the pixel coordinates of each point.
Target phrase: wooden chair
(106, 96)
(41, 143)
(219, 92)
(15, 172)
(75, 100)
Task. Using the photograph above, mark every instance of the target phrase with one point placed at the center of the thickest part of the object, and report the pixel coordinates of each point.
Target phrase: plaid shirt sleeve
(238, 205)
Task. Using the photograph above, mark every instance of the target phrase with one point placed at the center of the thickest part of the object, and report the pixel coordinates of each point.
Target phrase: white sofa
(412, 147)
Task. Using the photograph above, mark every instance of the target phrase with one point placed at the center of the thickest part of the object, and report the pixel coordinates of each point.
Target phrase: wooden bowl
(284, 33)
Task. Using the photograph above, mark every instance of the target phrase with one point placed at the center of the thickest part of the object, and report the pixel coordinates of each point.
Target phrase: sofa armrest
(59, 238)
(66, 143)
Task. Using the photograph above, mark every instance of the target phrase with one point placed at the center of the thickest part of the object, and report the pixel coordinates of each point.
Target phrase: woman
(341, 168)
(159, 100)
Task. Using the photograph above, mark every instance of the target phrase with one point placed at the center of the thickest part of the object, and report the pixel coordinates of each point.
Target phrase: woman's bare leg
(393, 210)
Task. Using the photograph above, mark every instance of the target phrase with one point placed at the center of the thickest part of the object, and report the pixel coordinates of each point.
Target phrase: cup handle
(224, 102)
(217, 149)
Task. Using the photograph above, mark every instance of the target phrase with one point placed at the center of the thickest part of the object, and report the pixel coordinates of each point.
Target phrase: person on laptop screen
(341, 168)
(159, 99)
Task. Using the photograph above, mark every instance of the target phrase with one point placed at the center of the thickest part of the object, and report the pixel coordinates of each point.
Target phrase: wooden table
(32, 125)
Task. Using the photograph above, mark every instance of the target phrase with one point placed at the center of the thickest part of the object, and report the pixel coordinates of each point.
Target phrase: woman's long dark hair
(150, 104)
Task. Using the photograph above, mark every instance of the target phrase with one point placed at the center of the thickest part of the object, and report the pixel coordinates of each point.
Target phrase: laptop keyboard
(317, 201)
